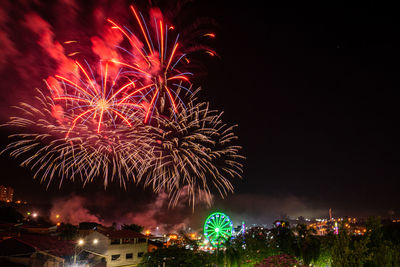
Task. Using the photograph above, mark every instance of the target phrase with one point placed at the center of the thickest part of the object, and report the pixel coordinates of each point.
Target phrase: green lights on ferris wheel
(218, 229)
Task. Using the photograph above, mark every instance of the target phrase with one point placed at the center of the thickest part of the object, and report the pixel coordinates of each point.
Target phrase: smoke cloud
(156, 214)
(107, 209)
(72, 210)
(264, 209)
(7, 46)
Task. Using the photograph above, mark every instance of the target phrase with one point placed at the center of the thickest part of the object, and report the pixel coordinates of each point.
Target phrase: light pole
(80, 243)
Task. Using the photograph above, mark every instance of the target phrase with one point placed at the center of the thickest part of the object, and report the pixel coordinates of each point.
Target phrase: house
(36, 250)
(116, 247)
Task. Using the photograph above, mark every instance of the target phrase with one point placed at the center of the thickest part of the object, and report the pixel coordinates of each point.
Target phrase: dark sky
(313, 88)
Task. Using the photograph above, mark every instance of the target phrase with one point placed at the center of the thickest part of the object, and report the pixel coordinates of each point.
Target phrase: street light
(80, 243)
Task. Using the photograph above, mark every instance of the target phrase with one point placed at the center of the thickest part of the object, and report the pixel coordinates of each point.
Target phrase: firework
(194, 154)
(92, 100)
(188, 157)
(133, 118)
(85, 154)
(155, 62)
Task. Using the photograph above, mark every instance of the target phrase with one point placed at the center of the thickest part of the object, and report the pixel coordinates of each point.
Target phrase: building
(116, 247)
(35, 250)
(6, 193)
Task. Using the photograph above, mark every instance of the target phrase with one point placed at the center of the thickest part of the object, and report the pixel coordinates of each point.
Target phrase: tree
(10, 214)
(68, 231)
(88, 225)
(391, 232)
(279, 260)
(308, 245)
(252, 248)
(133, 227)
(374, 231)
(325, 256)
(347, 252)
(283, 239)
(231, 254)
(177, 256)
(383, 253)
(374, 249)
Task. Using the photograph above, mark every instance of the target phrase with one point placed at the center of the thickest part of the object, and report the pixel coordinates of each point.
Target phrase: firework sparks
(193, 154)
(85, 154)
(155, 63)
(134, 118)
(88, 98)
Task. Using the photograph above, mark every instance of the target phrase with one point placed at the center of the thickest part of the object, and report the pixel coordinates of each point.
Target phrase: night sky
(313, 89)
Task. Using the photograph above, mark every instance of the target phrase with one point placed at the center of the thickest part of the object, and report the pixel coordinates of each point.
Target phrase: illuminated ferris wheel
(218, 229)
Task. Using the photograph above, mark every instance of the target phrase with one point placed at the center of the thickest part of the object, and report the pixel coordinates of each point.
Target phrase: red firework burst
(96, 99)
(155, 63)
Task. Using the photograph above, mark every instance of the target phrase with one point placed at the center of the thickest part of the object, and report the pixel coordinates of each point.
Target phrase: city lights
(173, 236)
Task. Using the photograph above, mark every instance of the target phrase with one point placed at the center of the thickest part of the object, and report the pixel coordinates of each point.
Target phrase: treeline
(294, 246)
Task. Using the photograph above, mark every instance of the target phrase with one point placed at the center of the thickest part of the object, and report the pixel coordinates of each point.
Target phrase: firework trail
(154, 59)
(193, 155)
(85, 154)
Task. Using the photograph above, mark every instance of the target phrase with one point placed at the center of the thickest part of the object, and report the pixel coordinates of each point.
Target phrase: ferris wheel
(218, 229)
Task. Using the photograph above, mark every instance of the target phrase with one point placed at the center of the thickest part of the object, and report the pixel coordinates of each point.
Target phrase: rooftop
(28, 243)
(117, 234)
